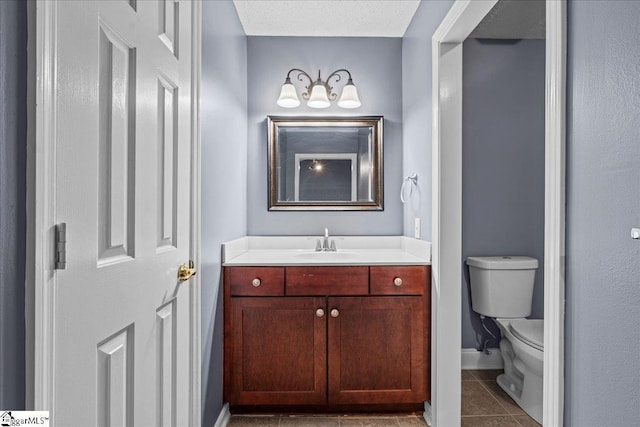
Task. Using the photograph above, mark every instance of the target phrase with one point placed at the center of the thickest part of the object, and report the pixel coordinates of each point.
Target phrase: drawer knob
(397, 281)
(256, 282)
(335, 313)
(320, 312)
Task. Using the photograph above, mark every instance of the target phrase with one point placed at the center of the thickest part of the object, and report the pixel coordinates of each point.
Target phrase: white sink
(327, 256)
(352, 250)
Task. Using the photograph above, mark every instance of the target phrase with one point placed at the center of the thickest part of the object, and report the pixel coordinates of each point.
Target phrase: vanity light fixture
(319, 93)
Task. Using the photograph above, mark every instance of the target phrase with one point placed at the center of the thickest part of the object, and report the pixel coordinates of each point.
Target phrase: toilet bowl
(522, 350)
(502, 288)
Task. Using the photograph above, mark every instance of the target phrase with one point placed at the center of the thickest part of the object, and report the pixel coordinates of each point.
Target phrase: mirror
(319, 163)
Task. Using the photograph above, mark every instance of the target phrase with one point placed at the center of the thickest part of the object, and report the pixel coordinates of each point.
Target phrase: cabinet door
(279, 351)
(376, 350)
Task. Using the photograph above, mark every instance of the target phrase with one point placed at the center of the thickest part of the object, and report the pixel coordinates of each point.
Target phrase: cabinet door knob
(320, 312)
(335, 312)
(397, 281)
(256, 282)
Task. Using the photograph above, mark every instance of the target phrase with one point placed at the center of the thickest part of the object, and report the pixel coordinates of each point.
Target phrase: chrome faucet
(326, 246)
(325, 242)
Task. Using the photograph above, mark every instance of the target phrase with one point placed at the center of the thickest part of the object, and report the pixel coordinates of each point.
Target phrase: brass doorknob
(186, 271)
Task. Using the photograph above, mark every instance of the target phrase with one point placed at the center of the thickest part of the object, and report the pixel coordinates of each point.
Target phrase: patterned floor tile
(490, 421)
(476, 400)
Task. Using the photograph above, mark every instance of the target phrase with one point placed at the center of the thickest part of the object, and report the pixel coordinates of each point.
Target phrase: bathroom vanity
(327, 331)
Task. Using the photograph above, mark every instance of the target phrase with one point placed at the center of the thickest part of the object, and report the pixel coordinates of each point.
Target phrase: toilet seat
(529, 331)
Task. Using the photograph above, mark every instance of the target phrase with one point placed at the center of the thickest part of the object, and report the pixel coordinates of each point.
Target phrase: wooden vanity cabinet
(340, 337)
(279, 351)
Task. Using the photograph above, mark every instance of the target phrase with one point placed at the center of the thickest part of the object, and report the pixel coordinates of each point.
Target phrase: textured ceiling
(326, 18)
(513, 19)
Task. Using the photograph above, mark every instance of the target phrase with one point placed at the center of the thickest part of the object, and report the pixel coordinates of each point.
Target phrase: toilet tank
(502, 286)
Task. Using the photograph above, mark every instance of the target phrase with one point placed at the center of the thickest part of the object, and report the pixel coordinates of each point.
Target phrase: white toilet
(502, 288)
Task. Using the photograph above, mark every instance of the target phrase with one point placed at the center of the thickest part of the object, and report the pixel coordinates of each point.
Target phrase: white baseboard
(427, 413)
(223, 418)
(474, 359)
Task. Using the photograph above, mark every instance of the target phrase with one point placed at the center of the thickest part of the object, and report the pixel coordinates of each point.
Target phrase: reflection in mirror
(326, 177)
(325, 163)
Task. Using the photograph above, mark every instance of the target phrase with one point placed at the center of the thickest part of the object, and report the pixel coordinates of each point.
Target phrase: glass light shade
(318, 98)
(349, 98)
(288, 96)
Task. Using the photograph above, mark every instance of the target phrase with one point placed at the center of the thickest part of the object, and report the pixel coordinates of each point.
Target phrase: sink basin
(327, 256)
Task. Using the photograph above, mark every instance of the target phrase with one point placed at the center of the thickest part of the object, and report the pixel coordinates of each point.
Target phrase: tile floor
(484, 404)
(326, 421)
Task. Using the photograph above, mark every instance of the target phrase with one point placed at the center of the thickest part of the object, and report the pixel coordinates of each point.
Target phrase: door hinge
(61, 246)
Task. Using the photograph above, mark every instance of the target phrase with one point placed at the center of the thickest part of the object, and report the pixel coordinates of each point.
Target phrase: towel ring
(412, 180)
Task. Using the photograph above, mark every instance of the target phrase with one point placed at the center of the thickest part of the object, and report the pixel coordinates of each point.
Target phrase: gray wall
(13, 155)
(502, 163)
(416, 110)
(224, 171)
(376, 67)
(602, 337)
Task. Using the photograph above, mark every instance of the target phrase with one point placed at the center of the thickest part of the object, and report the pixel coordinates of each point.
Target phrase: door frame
(300, 157)
(41, 196)
(447, 41)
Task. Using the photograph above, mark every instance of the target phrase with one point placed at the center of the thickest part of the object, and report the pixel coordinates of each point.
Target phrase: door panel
(169, 24)
(279, 351)
(167, 161)
(166, 359)
(123, 186)
(376, 350)
(116, 121)
(115, 379)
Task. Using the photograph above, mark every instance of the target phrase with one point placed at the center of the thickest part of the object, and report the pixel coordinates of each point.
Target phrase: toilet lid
(531, 331)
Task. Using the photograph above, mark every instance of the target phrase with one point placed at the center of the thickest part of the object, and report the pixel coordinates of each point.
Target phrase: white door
(121, 333)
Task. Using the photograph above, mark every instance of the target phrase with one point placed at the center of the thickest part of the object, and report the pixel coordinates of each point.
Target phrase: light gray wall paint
(13, 164)
(416, 111)
(223, 118)
(376, 67)
(502, 163)
(602, 337)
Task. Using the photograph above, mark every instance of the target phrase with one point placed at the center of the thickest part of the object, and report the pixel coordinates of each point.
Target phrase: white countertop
(352, 250)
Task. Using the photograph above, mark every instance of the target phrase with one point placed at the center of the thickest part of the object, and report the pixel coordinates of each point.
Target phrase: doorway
(461, 20)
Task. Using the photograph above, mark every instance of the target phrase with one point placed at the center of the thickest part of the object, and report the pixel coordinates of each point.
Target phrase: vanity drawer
(398, 280)
(327, 280)
(256, 281)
